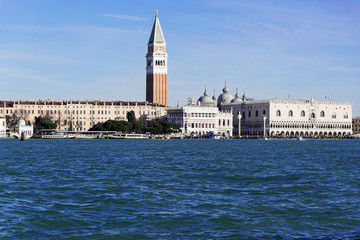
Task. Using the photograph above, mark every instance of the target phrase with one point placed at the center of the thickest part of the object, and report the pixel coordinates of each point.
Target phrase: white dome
(205, 100)
(237, 98)
(21, 122)
(225, 97)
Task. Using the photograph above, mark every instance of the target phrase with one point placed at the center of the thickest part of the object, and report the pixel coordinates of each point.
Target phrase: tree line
(158, 126)
(132, 125)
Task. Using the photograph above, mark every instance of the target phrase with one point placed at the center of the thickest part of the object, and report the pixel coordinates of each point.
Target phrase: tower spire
(156, 35)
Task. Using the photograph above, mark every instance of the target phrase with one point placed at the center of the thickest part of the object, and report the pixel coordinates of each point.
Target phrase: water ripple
(188, 189)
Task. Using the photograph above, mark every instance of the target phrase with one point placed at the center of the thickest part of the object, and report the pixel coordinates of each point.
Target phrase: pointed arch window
(312, 115)
(322, 114)
(303, 113)
(278, 113)
(346, 116)
(333, 115)
(257, 113)
(290, 113)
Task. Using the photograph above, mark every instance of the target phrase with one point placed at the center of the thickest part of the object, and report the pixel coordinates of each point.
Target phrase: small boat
(58, 136)
(299, 138)
(128, 136)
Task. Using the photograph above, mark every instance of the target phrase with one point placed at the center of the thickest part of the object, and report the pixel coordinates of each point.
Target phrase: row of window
(201, 125)
(222, 123)
(81, 106)
(309, 125)
(312, 115)
(256, 114)
(67, 112)
(210, 115)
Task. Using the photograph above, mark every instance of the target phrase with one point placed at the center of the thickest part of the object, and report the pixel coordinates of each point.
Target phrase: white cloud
(125, 17)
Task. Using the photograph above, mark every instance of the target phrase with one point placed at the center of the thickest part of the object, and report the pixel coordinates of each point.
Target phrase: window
(333, 115)
(322, 114)
(346, 116)
(312, 115)
(278, 113)
(303, 113)
(257, 113)
(290, 113)
(264, 112)
(249, 113)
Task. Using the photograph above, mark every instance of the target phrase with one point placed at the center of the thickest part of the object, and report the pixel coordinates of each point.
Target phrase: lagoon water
(179, 189)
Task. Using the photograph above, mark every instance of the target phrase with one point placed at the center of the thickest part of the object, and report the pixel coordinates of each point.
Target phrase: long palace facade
(79, 115)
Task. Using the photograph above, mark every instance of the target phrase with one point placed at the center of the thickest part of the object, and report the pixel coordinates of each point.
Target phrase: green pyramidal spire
(157, 35)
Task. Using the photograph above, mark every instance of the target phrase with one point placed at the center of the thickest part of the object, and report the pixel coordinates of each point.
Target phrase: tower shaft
(156, 66)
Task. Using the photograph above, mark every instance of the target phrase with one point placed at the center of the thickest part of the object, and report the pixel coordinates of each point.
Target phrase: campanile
(156, 66)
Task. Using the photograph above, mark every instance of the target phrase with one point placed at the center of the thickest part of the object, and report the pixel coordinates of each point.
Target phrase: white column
(264, 131)
(239, 118)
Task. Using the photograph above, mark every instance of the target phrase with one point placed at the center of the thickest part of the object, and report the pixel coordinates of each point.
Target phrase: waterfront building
(156, 66)
(2, 127)
(79, 115)
(290, 117)
(356, 125)
(21, 128)
(203, 118)
(82, 115)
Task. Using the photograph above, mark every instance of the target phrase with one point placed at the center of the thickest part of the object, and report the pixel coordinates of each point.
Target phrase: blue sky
(87, 49)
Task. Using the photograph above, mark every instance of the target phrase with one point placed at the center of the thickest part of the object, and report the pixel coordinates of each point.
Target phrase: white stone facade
(2, 128)
(199, 120)
(289, 117)
(21, 128)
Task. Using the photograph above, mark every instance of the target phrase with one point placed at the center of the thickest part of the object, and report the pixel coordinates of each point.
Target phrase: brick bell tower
(156, 66)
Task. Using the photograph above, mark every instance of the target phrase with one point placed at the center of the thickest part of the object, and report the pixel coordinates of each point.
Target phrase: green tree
(12, 120)
(130, 116)
(44, 122)
(156, 129)
(159, 127)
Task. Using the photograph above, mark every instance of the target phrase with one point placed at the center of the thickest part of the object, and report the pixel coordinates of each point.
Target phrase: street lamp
(264, 131)
(239, 118)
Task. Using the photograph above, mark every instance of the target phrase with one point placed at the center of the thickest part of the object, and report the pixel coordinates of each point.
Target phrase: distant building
(21, 128)
(289, 117)
(356, 125)
(201, 119)
(156, 66)
(2, 127)
(79, 115)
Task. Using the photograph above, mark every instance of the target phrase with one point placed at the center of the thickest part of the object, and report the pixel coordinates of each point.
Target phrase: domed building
(204, 119)
(206, 101)
(225, 97)
(21, 127)
(237, 98)
(21, 122)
